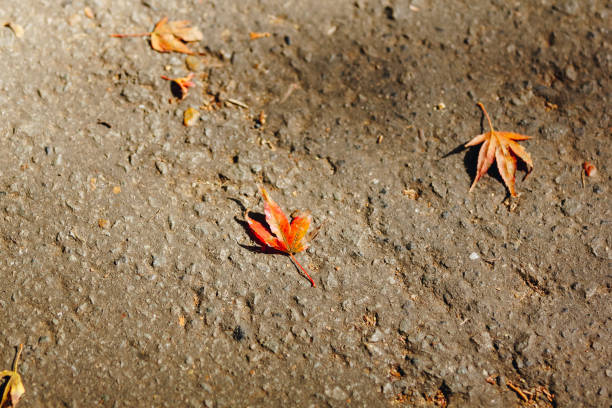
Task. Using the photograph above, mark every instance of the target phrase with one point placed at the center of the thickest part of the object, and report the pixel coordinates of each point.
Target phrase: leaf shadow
(176, 90)
(242, 207)
(470, 160)
(261, 218)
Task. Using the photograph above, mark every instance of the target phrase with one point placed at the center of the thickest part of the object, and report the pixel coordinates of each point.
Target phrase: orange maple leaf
(289, 238)
(503, 148)
(170, 36)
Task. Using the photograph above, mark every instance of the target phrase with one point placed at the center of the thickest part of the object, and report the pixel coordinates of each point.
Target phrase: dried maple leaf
(13, 389)
(167, 37)
(502, 147)
(170, 36)
(180, 86)
(289, 238)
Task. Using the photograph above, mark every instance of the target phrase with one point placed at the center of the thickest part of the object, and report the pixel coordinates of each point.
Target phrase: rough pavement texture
(127, 272)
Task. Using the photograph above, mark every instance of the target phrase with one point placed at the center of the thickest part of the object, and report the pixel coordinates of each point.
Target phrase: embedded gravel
(126, 270)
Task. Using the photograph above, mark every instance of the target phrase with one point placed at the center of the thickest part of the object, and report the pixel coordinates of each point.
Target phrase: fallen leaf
(190, 117)
(502, 147)
(180, 86)
(289, 238)
(13, 389)
(170, 36)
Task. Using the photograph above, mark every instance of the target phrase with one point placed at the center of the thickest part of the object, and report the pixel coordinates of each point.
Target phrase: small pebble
(474, 256)
(190, 117)
(570, 73)
(193, 63)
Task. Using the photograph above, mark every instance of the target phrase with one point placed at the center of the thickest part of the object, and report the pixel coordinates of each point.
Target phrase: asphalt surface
(129, 275)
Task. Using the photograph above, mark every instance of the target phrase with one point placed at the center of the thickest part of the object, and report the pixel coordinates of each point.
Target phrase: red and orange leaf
(501, 148)
(283, 236)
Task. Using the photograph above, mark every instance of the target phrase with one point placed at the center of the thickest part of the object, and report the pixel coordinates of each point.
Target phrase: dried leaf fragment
(170, 36)
(179, 87)
(17, 29)
(190, 117)
(411, 193)
(286, 237)
(491, 379)
(589, 169)
(89, 13)
(14, 389)
(503, 148)
(254, 35)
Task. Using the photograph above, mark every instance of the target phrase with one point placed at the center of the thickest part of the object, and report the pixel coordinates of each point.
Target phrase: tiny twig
(517, 390)
(490, 261)
(290, 90)
(549, 396)
(295, 261)
(237, 103)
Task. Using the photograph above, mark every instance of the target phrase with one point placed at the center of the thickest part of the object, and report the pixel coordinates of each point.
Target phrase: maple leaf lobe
(276, 219)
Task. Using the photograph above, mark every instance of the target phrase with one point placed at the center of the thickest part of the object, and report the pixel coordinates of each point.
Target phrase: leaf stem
(303, 270)
(130, 35)
(17, 357)
(481, 106)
